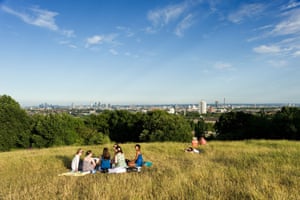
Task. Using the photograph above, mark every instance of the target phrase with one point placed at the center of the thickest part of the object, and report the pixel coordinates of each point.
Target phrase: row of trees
(285, 124)
(19, 130)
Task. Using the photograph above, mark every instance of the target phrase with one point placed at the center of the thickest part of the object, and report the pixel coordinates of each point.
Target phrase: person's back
(88, 162)
(105, 163)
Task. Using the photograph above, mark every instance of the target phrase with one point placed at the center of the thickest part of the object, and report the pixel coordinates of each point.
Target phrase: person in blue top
(138, 160)
(105, 163)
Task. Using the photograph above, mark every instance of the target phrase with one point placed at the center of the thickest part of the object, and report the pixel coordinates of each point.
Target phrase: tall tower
(202, 107)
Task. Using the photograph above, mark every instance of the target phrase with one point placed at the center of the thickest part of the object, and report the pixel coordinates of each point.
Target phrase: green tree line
(284, 124)
(21, 130)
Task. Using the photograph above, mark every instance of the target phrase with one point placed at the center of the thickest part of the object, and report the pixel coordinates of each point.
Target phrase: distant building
(171, 111)
(202, 107)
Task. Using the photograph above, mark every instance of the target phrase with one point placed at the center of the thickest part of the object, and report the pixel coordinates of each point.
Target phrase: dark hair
(88, 152)
(115, 145)
(137, 145)
(79, 150)
(105, 153)
(119, 149)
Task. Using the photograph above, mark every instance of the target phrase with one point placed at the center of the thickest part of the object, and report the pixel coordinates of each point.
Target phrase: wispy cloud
(113, 52)
(223, 66)
(292, 4)
(68, 44)
(297, 53)
(246, 11)
(128, 32)
(40, 18)
(287, 31)
(176, 15)
(267, 49)
(183, 25)
(163, 16)
(290, 25)
(101, 39)
(278, 63)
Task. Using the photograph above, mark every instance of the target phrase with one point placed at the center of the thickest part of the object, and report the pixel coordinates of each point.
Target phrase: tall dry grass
(224, 170)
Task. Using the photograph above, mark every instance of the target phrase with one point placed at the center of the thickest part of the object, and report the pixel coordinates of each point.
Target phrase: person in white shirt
(76, 160)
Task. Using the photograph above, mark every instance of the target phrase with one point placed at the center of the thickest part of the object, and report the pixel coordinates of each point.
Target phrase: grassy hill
(224, 170)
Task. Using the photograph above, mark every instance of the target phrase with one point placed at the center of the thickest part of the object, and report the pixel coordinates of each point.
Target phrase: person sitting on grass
(138, 160)
(89, 163)
(118, 162)
(76, 160)
(105, 160)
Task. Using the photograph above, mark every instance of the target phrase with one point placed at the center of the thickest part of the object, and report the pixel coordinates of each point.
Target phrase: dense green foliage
(17, 129)
(285, 124)
(14, 124)
(20, 130)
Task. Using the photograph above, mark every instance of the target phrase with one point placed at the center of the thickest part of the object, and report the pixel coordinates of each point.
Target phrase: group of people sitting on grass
(107, 164)
(195, 143)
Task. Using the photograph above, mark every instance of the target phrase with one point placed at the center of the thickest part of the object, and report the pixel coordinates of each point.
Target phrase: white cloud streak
(176, 15)
(263, 49)
(246, 11)
(40, 18)
(101, 39)
(161, 17)
(278, 63)
(297, 53)
(183, 25)
(113, 52)
(223, 66)
(291, 5)
(290, 25)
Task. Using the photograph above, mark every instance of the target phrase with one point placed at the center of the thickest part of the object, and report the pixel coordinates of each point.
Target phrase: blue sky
(150, 51)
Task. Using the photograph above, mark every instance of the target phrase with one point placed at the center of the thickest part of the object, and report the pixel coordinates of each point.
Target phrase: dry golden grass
(224, 170)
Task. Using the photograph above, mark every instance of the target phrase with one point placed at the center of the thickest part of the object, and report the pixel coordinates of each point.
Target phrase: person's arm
(116, 159)
(76, 163)
(93, 162)
(137, 155)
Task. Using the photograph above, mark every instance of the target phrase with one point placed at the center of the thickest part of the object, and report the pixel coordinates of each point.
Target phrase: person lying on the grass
(76, 160)
(89, 163)
(138, 160)
(191, 150)
(105, 160)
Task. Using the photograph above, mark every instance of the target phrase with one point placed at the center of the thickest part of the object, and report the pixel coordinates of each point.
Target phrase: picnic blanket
(74, 174)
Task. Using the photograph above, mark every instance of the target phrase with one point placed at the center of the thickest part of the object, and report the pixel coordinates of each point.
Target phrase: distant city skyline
(150, 52)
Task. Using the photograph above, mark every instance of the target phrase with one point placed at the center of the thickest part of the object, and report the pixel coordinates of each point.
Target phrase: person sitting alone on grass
(89, 163)
(138, 160)
(105, 163)
(76, 160)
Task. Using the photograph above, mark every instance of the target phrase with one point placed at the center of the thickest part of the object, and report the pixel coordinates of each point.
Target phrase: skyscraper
(202, 107)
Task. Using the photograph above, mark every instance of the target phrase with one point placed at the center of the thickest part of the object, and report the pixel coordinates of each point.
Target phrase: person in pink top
(202, 141)
(195, 142)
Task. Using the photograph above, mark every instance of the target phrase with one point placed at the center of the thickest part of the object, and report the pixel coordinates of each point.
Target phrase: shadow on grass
(67, 162)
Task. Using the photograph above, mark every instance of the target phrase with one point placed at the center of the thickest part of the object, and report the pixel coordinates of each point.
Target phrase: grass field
(224, 170)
